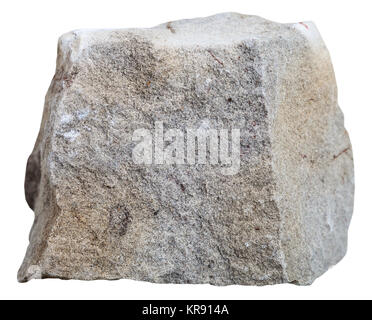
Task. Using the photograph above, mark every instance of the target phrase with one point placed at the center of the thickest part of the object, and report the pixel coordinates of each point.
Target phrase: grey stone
(283, 217)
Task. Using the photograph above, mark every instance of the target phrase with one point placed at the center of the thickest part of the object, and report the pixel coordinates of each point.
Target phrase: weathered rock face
(277, 211)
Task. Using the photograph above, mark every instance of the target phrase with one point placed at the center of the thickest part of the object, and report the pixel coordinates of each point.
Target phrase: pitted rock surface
(283, 217)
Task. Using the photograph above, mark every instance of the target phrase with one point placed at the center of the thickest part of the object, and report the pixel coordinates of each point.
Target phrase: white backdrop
(29, 32)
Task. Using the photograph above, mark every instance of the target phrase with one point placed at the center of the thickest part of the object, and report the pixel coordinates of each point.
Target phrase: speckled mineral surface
(262, 193)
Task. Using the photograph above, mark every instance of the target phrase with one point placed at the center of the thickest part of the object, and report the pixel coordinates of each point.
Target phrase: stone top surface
(218, 30)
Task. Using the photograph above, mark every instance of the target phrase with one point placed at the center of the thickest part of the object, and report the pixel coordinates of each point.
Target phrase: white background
(29, 32)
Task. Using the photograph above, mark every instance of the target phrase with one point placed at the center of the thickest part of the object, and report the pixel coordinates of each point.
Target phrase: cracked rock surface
(282, 218)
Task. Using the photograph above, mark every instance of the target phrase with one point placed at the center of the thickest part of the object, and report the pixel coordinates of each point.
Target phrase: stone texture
(282, 218)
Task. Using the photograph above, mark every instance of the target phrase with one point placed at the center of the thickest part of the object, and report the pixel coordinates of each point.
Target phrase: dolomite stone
(282, 217)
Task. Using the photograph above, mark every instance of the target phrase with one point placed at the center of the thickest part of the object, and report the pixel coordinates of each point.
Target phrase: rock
(116, 186)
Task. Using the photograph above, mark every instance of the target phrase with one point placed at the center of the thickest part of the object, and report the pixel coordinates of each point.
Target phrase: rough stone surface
(282, 218)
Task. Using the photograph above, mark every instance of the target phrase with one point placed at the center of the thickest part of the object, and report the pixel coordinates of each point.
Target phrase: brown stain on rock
(170, 28)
